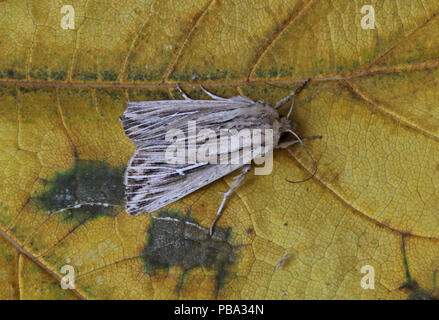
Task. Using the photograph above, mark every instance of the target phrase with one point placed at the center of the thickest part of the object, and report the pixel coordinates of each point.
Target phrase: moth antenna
(210, 94)
(292, 95)
(292, 106)
(184, 95)
(309, 155)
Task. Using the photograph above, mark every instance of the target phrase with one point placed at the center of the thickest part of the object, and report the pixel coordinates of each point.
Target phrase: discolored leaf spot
(14, 74)
(58, 75)
(212, 74)
(88, 190)
(137, 74)
(87, 76)
(274, 73)
(108, 75)
(418, 293)
(174, 240)
(39, 74)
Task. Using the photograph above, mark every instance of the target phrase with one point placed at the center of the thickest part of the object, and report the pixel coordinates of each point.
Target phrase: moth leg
(237, 181)
(184, 95)
(210, 94)
(286, 144)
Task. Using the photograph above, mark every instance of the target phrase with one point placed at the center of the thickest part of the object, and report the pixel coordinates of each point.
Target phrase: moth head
(285, 125)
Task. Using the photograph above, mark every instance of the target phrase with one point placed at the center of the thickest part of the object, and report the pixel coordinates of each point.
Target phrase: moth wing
(152, 184)
(147, 122)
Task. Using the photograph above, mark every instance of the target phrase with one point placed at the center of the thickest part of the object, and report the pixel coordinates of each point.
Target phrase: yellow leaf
(372, 97)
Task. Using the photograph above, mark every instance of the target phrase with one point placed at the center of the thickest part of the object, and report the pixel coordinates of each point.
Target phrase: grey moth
(152, 181)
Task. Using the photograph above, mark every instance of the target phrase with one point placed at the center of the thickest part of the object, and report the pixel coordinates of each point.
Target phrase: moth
(152, 181)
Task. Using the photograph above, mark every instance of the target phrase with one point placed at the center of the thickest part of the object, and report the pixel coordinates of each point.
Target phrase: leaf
(373, 97)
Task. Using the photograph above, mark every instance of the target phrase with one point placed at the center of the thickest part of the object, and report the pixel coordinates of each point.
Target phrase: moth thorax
(277, 131)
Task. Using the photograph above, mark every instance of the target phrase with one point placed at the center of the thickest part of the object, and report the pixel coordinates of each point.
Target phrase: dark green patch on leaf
(14, 74)
(87, 76)
(58, 75)
(109, 75)
(35, 91)
(40, 74)
(213, 74)
(416, 292)
(175, 240)
(88, 190)
(136, 74)
(274, 73)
